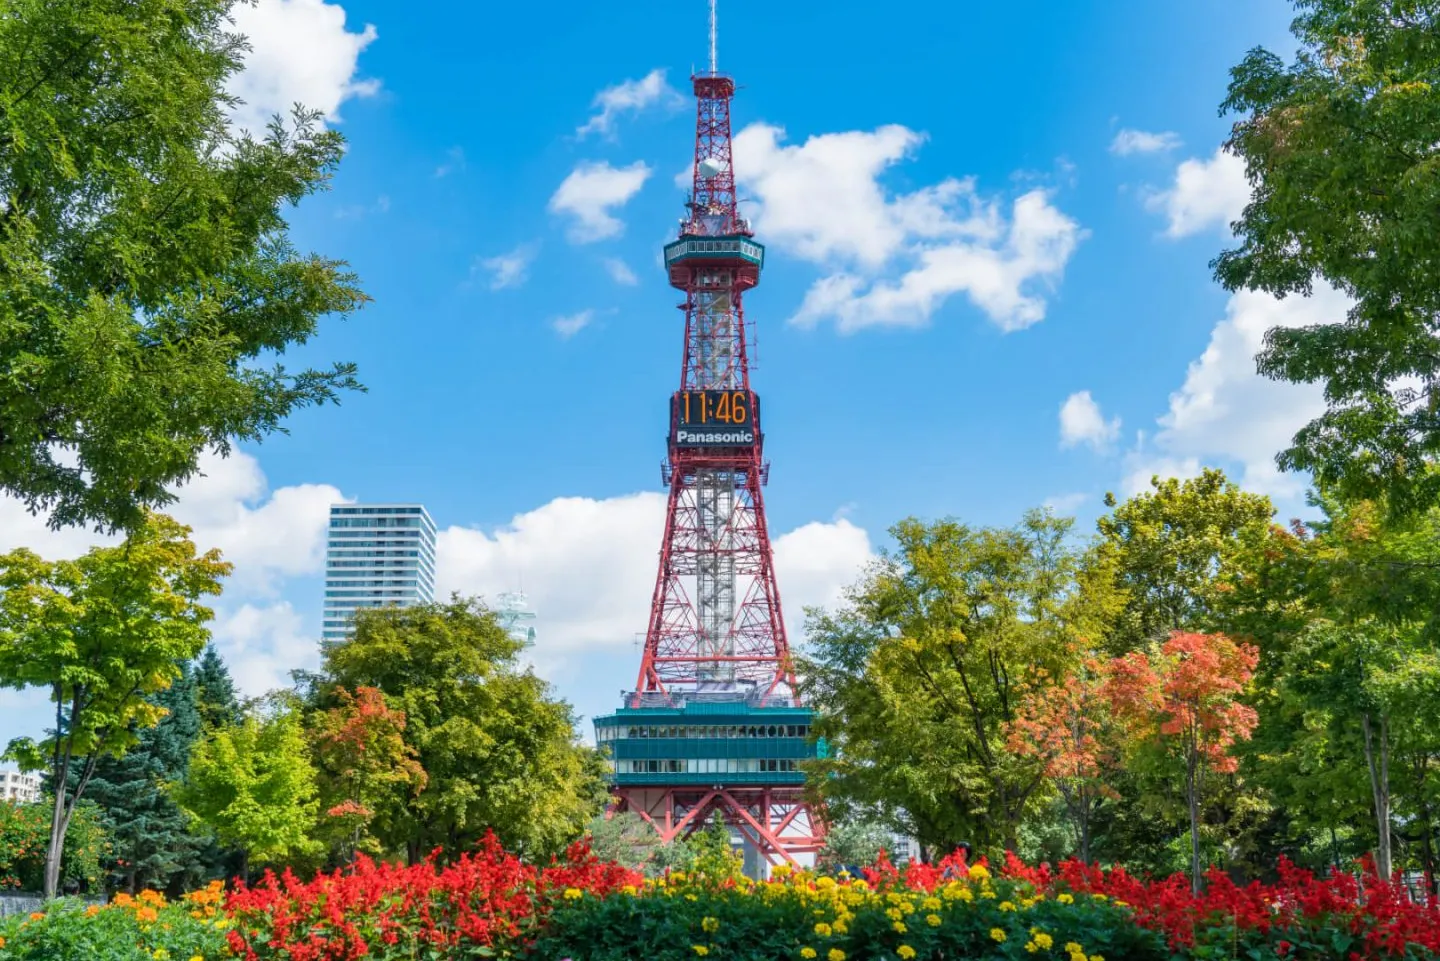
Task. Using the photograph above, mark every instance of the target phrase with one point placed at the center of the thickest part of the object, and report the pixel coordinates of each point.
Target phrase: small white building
(15, 786)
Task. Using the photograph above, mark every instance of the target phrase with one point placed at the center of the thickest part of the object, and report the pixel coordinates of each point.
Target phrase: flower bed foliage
(142, 928)
(490, 904)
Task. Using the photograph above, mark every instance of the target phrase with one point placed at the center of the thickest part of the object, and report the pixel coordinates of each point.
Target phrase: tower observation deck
(715, 727)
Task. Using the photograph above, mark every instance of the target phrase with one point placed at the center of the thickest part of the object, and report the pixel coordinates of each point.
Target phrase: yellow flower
(965, 894)
(573, 894)
(161, 955)
(905, 951)
(710, 925)
(1099, 897)
(1031, 946)
(931, 904)
(780, 871)
(700, 950)
(859, 885)
(1072, 948)
(197, 958)
(629, 889)
(1006, 906)
(894, 914)
(1045, 941)
(822, 929)
(692, 897)
(1066, 899)
(806, 953)
(996, 934)
(841, 927)
(835, 955)
(978, 872)
(1097, 957)
(907, 907)
(933, 920)
(1027, 902)
(825, 884)
(899, 927)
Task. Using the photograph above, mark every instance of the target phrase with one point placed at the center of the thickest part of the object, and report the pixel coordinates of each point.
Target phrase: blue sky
(988, 229)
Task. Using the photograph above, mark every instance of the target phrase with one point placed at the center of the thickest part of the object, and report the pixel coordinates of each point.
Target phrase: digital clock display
(714, 418)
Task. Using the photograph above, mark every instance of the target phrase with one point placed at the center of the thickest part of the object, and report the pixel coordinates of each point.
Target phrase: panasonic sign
(714, 437)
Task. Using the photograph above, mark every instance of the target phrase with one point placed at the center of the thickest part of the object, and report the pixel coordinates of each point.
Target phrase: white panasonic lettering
(714, 437)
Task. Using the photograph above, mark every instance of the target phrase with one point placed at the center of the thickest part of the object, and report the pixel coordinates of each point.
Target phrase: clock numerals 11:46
(719, 406)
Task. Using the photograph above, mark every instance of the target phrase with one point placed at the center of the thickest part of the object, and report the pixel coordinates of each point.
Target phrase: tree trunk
(1379, 790)
(1192, 797)
(57, 843)
(1085, 831)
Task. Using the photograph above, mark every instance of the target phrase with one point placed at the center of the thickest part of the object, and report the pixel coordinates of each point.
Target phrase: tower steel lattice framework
(715, 645)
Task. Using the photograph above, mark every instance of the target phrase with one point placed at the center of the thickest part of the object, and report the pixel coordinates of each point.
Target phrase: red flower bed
(480, 900)
(1300, 914)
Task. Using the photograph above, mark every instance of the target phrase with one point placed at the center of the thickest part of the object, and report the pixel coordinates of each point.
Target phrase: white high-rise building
(378, 555)
(15, 786)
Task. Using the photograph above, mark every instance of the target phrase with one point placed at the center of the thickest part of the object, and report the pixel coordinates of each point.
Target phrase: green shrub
(25, 836)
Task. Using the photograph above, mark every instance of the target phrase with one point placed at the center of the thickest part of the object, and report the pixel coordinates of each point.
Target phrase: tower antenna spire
(714, 32)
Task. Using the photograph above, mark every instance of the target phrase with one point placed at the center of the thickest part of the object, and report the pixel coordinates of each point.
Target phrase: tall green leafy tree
(1339, 147)
(103, 634)
(146, 274)
(1172, 548)
(151, 843)
(918, 678)
(254, 785)
(498, 750)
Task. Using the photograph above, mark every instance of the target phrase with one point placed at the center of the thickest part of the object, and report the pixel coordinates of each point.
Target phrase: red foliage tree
(1186, 695)
(1068, 726)
(364, 760)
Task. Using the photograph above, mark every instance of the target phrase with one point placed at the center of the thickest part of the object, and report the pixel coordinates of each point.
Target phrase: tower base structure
(683, 764)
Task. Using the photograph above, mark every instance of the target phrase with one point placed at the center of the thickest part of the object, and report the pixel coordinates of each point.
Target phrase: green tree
(626, 838)
(498, 749)
(1172, 548)
(1339, 147)
(853, 843)
(103, 633)
(918, 678)
(215, 696)
(151, 843)
(253, 784)
(146, 275)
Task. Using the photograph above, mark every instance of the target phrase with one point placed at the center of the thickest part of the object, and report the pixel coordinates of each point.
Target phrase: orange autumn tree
(1069, 728)
(364, 761)
(1186, 697)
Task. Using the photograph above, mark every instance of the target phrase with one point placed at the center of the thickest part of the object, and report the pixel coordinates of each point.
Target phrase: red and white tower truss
(716, 659)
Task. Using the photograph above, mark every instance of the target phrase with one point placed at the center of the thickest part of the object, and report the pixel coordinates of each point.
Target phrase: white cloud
(1128, 142)
(454, 162)
(510, 269)
(262, 644)
(620, 272)
(301, 52)
(1228, 414)
(589, 194)
(266, 534)
(571, 324)
(1206, 194)
(588, 567)
(1065, 504)
(893, 259)
(1082, 423)
(629, 96)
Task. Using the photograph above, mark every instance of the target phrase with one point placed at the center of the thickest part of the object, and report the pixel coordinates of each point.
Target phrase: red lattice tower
(715, 619)
(714, 729)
